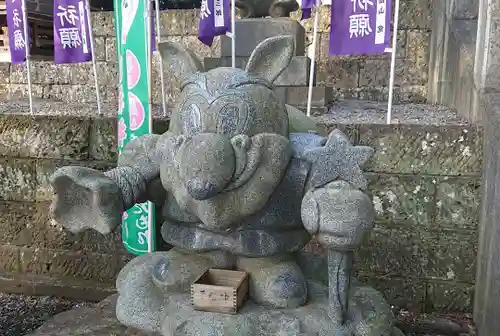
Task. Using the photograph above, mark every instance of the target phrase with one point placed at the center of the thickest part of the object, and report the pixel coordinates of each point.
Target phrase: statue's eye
(231, 120)
(191, 119)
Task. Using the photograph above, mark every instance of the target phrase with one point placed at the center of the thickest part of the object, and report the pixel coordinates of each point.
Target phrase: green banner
(133, 27)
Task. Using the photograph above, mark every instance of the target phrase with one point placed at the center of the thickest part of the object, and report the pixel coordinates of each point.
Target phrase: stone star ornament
(338, 158)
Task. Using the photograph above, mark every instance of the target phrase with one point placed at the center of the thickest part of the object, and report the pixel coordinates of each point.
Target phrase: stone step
(250, 32)
(363, 112)
(296, 74)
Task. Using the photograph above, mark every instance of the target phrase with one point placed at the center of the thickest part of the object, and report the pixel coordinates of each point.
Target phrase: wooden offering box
(220, 291)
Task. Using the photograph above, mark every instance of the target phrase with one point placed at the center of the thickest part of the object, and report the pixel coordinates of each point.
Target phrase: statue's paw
(85, 198)
(275, 283)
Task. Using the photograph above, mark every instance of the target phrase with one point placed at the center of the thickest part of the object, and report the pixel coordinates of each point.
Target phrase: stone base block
(297, 96)
(250, 32)
(101, 321)
(296, 74)
(143, 305)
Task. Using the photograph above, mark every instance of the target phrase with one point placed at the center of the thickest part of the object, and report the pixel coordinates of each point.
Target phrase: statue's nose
(201, 190)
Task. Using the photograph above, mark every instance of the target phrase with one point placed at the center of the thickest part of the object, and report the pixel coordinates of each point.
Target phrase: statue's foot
(176, 270)
(140, 304)
(147, 282)
(275, 282)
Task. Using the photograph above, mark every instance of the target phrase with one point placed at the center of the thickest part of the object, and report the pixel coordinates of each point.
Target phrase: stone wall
(424, 183)
(36, 255)
(351, 77)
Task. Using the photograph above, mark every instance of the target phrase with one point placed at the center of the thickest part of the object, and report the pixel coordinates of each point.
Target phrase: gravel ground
(364, 112)
(20, 315)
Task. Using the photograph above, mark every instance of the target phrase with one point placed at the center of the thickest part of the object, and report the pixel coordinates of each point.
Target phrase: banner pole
(393, 62)
(162, 76)
(233, 33)
(94, 65)
(149, 53)
(27, 53)
(313, 58)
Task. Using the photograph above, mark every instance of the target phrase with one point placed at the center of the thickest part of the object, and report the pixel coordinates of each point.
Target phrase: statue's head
(232, 126)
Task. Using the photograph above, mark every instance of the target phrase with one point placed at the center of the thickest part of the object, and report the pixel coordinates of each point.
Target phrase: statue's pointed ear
(178, 60)
(271, 57)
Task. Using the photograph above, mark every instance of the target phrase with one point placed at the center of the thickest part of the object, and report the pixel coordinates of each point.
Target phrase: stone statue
(237, 191)
(263, 8)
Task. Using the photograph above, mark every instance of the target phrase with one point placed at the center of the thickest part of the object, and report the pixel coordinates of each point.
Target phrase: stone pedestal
(251, 32)
(292, 84)
(453, 62)
(487, 77)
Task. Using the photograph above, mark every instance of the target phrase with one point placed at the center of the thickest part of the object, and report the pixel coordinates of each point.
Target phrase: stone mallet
(338, 215)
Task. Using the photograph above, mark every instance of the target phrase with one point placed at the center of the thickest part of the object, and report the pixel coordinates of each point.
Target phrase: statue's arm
(87, 198)
(338, 215)
(335, 209)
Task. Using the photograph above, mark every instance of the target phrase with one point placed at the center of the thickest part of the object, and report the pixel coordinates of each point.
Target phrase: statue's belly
(251, 243)
(277, 228)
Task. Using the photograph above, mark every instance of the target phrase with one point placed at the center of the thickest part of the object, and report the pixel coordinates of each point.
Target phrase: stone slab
(99, 320)
(424, 149)
(487, 289)
(251, 32)
(18, 179)
(42, 137)
(79, 265)
(297, 96)
(9, 259)
(452, 297)
(40, 285)
(296, 74)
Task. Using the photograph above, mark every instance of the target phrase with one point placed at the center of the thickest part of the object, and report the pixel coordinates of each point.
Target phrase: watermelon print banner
(132, 24)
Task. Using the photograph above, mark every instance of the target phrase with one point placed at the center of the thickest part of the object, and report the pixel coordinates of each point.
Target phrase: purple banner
(306, 6)
(153, 30)
(215, 20)
(71, 32)
(360, 27)
(16, 32)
